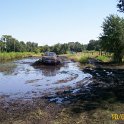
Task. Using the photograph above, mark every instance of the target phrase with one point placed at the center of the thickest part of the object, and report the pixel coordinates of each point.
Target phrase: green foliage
(112, 39)
(83, 59)
(63, 48)
(75, 46)
(120, 5)
(93, 45)
(104, 58)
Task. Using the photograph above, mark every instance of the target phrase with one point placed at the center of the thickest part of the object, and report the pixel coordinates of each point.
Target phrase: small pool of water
(20, 79)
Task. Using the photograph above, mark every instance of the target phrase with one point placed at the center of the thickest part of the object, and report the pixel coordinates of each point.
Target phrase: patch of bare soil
(35, 111)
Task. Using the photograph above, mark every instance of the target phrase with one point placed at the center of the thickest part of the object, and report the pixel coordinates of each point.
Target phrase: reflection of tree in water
(48, 70)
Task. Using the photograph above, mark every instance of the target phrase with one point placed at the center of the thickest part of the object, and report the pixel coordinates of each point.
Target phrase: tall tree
(112, 38)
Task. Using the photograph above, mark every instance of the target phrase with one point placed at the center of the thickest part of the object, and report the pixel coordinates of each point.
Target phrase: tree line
(63, 48)
(10, 44)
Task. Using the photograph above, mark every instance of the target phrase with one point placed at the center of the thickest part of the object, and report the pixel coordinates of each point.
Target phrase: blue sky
(53, 21)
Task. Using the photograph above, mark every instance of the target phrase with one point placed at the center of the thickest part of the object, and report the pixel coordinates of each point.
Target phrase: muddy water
(18, 79)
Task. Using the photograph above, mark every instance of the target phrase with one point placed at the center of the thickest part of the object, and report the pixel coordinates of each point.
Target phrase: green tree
(2, 46)
(31, 46)
(75, 46)
(57, 48)
(64, 48)
(22, 46)
(93, 45)
(45, 48)
(120, 5)
(78, 47)
(112, 38)
(10, 43)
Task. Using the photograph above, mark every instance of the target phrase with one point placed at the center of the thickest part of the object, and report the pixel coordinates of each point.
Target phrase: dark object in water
(50, 58)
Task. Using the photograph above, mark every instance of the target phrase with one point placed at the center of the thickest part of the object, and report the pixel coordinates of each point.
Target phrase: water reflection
(48, 70)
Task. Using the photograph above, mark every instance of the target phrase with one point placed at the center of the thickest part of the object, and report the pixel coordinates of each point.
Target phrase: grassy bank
(84, 56)
(16, 55)
(104, 58)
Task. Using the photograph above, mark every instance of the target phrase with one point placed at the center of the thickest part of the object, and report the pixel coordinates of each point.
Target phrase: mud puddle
(27, 82)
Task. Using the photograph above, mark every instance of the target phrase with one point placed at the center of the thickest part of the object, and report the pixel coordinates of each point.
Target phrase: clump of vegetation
(83, 59)
(73, 57)
(104, 58)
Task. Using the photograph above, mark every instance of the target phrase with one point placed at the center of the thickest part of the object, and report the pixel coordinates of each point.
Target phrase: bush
(84, 59)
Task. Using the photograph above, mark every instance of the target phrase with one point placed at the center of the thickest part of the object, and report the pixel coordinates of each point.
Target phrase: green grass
(104, 58)
(82, 57)
(15, 55)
